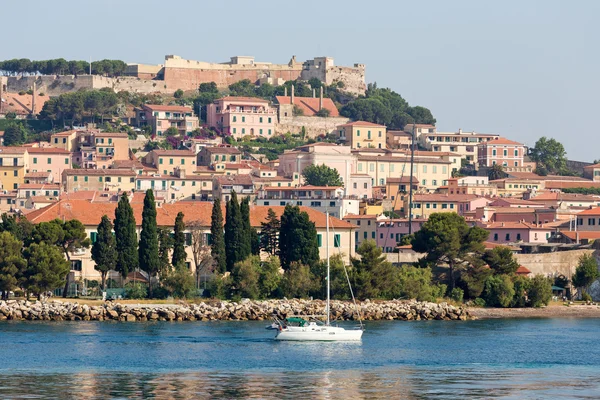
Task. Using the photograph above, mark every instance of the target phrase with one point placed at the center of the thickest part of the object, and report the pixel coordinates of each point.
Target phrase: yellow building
(166, 161)
(362, 134)
(13, 165)
(65, 140)
(74, 180)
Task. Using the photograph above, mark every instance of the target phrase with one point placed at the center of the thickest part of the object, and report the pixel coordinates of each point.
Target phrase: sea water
(511, 358)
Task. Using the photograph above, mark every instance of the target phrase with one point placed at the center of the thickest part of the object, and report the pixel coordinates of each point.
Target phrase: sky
(519, 68)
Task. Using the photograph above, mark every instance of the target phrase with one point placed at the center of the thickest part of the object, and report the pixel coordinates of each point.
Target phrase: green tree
(20, 227)
(15, 134)
(165, 244)
(269, 277)
(586, 272)
(501, 260)
(171, 131)
(448, 239)
(178, 94)
(126, 237)
(180, 282)
(208, 87)
(373, 276)
(269, 233)
(104, 250)
(46, 268)
(246, 235)
(521, 285)
(234, 229)
(550, 156)
(540, 291)
(499, 291)
(12, 263)
(496, 172)
(297, 238)
(148, 247)
(217, 244)
(415, 283)
(179, 255)
(322, 175)
(245, 276)
(472, 279)
(297, 281)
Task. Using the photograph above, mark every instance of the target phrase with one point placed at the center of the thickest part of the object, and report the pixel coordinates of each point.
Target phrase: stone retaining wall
(227, 311)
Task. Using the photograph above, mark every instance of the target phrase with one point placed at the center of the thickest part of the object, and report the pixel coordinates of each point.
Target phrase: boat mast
(327, 255)
(410, 180)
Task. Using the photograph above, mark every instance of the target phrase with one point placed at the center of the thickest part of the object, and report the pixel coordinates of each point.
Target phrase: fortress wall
(353, 78)
(314, 126)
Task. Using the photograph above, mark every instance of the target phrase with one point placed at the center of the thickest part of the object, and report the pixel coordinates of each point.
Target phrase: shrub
(135, 290)
(457, 294)
(22, 93)
(245, 276)
(479, 302)
(499, 291)
(178, 94)
(415, 283)
(586, 297)
(521, 285)
(540, 291)
(219, 286)
(181, 282)
(297, 281)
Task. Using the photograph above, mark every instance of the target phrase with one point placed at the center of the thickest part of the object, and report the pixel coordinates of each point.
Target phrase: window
(434, 182)
(75, 179)
(518, 236)
(372, 167)
(183, 161)
(368, 134)
(85, 178)
(160, 160)
(365, 234)
(424, 169)
(427, 205)
(355, 185)
(34, 160)
(99, 179)
(336, 240)
(243, 130)
(507, 237)
(260, 120)
(49, 160)
(505, 153)
(320, 240)
(435, 169)
(495, 237)
(234, 118)
(269, 129)
(365, 185)
(360, 167)
(260, 131)
(444, 206)
(108, 179)
(234, 131)
(424, 181)
(494, 152)
(170, 161)
(372, 234)
(381, 236)
(243, 119)
(66, 161)
(93, 236)
(516, 153)
(381, 167)
(331, 204)
(358, 133)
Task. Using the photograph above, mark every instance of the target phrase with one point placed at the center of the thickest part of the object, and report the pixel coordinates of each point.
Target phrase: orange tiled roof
(363, 123)
(47, 150)
(590, 211)
(90, 213)
(242, 98)
(501, 140)
(310, 105)
(522, 270)
(175, 153)
(159, 107)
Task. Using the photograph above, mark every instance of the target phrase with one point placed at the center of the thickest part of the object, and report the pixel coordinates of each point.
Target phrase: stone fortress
(178, 73)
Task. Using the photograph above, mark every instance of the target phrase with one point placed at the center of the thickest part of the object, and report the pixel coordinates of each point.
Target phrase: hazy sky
(523, 69)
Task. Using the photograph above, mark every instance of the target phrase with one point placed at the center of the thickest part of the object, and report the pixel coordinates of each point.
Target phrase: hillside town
(377, 181)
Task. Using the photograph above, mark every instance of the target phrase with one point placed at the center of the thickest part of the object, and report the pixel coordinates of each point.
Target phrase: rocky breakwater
(228, 311)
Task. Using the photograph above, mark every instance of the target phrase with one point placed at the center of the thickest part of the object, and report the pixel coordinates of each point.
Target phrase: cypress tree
(165, 244)
(179, 254)
(233, 230)
(269, 233)
(104, 250)
(217, 245)
(297, 238)
(246, 233)
(126, 237)
(148, 250)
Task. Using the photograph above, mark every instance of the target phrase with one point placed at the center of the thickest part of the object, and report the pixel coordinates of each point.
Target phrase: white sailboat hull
(318, 333)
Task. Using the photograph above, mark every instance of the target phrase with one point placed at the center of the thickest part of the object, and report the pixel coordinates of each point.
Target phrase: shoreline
(554, 311)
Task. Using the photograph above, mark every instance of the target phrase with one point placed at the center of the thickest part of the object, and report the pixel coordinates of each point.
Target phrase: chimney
(314, 93)
(321, 99)
(33, 99)
(292, 96)
(285, 91)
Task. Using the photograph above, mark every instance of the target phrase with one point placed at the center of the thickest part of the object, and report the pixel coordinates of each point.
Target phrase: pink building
(511, 232)
(161, 118)
(501, 151)
(49, 159)
(389, 232)
(242, 116)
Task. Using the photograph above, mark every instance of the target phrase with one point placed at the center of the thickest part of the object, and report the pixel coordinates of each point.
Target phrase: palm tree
(496, 172)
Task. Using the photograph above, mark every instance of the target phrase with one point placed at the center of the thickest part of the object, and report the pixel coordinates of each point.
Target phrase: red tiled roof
(522, 270)
(590, 211)
(307, 187)
(100, 172)
(21, 104)
(573, 235)
(363, 123)
(501, 140)
(492, 245)
(516, 225)
(511, 200)
(310, 105)
(112, 135)
(223, 150)
(446, 197)
(570, 185)
(159, 107)
(175, 153)
(47, 150)
(90, 214)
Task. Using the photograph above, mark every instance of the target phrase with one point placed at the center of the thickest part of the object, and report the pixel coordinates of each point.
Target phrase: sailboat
(302, 329)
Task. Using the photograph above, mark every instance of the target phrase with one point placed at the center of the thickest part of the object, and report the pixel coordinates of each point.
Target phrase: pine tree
(179, 255)
(246, 233)
(297, 238)
(126, 237)
(269, 233)
(233, 230)
(165, 244)
(217, 237)
(148, 250)
(104, 250)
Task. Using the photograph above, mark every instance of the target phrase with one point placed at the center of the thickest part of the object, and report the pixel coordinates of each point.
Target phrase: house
(501, 151)
(74, 180)
(511, 232)
(49, 159)
(308, 106)
(470, 185)
(166, 161)
(177, 187)
(321, 198)
(363, 134)
(463, 143)
(426, 204)
(242, 116)
(360, 186)
(589, 220)
(390, 232)
(68, 140)
(516, 203)
(398, 140)
(8, 201)
(365, 227)
(29, 190)
(39, 177)
(592, 172)
(196, 144)
(397, 189)
(90, 210)
(110, 147)
(210, 156)
(14, 163)
(224, 186)
(339, 157)
(161, 118)
(556, 199)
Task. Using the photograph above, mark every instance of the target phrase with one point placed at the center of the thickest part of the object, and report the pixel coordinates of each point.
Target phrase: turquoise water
(538, 358)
